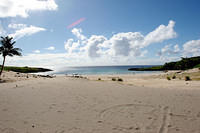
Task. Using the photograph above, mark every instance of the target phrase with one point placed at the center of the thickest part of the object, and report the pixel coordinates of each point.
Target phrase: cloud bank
(22, 8)
(125, 48)
(120, 44)
(167, 50)
(188, 49)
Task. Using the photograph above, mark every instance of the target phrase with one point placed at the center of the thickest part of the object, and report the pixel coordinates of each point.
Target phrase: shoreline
(151, 80)
(155, 80)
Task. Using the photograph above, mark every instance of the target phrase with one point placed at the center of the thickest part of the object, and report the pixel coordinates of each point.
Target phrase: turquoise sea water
(94, 70)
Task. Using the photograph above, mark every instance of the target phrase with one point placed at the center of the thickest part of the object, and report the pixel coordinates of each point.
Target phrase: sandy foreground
(140, 104)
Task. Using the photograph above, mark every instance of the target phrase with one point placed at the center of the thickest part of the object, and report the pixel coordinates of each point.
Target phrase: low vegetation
(153, 68)
(183, 64)
(117, 79)
(174, 77)
(187, 78)
(25, 69)
(113, 79)
(120, 79)
(180, 75)
(168, 78)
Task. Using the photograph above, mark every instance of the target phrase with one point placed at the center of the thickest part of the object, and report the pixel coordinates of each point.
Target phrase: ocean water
(96, 70)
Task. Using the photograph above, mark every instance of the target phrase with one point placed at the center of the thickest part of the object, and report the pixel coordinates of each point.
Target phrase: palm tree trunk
(4, 58)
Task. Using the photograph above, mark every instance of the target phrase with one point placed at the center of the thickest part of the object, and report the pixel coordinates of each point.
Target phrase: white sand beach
(139, 104)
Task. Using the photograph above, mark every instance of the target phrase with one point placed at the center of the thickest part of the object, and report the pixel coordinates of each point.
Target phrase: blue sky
(114, 32)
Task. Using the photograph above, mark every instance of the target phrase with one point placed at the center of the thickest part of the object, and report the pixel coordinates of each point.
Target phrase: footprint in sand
(75, 130)
(165, 120)
(9, 130)
(192, 120)
(198, 115)
(136, 117)
(4, 110)
(147, 119)
(60, 131)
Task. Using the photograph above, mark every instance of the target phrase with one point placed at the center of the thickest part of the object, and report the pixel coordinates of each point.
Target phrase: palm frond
(17, 49)
(13, 42)
(15, 52)
(7, 48)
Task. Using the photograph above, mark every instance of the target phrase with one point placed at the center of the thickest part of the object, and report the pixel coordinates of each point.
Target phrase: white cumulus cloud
(23, 30)
(120, 44)
(51, 48)
(161, 33)
(22, 8)
(188, 49)
(93, 45)
(72, 47)
(191, 48)
(78, 33)
(169, 51)
(37, 51)
(176, 48)
(125, 43)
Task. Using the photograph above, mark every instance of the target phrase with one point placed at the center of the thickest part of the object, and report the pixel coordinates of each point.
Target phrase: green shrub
(187, 78)
(168, 78)
(174, 77)
(120, 79)
(113, 79)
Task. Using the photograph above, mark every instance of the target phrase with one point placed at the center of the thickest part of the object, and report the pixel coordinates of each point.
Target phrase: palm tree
(7, 49)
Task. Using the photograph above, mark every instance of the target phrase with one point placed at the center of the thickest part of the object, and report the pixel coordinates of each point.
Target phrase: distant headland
(183, 64)
(26, 69)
